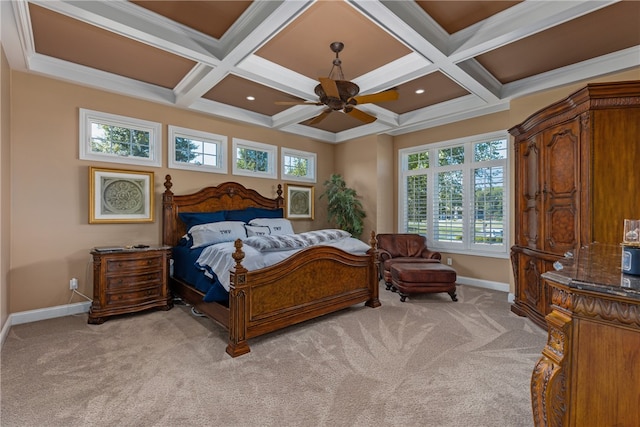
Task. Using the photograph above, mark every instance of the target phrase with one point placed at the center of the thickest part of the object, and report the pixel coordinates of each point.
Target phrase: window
(254, 159)
(110, 138)
(298, 165)
(196, 150)
(456, 194)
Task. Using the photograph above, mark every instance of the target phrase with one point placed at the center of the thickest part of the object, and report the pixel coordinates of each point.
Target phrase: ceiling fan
(338, 94)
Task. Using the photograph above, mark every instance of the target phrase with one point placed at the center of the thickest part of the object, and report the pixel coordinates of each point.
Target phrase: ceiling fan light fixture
(346, 92)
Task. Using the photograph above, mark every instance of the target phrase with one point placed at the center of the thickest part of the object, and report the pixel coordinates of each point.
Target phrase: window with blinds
(456, 193)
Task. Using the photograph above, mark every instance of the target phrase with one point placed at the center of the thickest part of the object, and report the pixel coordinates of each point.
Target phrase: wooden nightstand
(129, 280)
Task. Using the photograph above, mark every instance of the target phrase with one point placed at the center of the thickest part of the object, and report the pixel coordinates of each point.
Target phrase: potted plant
(343, 206)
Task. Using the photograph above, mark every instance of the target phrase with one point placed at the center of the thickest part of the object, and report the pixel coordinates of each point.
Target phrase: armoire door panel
(530, 177)
(561, 159)
(532, 291)
(561, 237)
(561, 168)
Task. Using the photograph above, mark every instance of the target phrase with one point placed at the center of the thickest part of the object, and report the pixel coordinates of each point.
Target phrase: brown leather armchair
(402, 248)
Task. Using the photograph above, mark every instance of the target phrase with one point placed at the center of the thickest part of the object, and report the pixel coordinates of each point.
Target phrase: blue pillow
(196, 218)
(247, 214)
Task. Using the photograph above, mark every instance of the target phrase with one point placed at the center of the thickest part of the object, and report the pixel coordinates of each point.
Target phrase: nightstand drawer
(133, 298)
(124, 264)
(134, 280)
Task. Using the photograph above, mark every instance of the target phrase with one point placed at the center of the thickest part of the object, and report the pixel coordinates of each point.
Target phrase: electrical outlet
(73, 284)
(449, 262)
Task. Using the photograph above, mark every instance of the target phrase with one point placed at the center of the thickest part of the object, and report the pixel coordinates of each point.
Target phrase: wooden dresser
(129, 280)
(589, 373)
(576, 180)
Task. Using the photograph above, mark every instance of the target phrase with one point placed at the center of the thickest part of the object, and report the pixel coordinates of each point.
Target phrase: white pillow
(217, 232)
(257, 230)
(277, 226)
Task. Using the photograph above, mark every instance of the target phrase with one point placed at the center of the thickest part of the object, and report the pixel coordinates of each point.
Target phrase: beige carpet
(426, 362)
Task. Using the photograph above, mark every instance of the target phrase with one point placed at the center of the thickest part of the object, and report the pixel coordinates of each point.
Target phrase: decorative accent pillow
(257, 230)
(328, 235)
(282, 242)
(217, 232)
(278, 226)
(196, 218)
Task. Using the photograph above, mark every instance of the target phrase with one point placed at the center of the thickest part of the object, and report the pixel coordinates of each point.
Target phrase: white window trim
(311, 158)
(155, 138)
(221, 142)
(272, 151)
(465, 247)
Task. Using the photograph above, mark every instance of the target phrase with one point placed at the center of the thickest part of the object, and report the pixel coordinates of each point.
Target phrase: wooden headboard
(226, 196)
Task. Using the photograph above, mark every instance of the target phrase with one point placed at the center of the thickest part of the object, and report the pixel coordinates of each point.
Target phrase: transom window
(456, 194)
(111, 138)
(298, 165)
(254, 159)
(197, 150)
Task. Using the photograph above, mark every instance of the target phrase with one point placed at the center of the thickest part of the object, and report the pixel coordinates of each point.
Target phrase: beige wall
(5, 182)
(51, 236)
(356, 161)
(386, 212)
(48, 196)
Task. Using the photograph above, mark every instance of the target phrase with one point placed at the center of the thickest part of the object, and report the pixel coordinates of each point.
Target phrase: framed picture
(299, 201)
(117, 196)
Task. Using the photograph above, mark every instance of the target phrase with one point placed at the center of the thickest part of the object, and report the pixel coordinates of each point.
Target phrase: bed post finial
(168, 184)
(279, 198)
(238, 256)
(373, 242)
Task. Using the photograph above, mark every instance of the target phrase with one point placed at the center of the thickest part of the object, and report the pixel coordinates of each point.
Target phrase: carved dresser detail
(589, 372)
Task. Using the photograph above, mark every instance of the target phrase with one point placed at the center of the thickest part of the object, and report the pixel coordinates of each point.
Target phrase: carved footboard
(316, 281)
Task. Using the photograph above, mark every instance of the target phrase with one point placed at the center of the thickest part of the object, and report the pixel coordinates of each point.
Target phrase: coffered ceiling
(469, 58)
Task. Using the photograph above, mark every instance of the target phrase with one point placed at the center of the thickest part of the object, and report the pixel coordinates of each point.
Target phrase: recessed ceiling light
(420, 91)
(251, 98)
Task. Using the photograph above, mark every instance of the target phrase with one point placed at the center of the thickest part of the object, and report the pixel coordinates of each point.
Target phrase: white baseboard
(487, 284)
(50, 312)
(42, 314)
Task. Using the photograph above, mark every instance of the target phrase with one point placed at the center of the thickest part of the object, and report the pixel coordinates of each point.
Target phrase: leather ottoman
(414, 278)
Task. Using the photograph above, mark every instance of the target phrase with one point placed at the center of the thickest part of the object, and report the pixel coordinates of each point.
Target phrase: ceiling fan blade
(330, 87)
(320, 117)
(388, 95)
(361, 115)
(297, 103)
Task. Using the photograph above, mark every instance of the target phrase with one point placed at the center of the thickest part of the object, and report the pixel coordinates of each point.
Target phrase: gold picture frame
(299, 202)
(120, 196)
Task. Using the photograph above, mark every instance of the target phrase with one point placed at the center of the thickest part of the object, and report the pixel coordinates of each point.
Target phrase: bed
(314, 281)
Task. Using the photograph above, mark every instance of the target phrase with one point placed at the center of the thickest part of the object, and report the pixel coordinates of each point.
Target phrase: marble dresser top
(597, 268)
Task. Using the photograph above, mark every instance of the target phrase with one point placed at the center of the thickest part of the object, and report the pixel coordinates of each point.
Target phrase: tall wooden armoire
(577, 178)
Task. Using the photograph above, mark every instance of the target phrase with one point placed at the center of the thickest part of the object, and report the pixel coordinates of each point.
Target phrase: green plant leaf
(344, 209)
